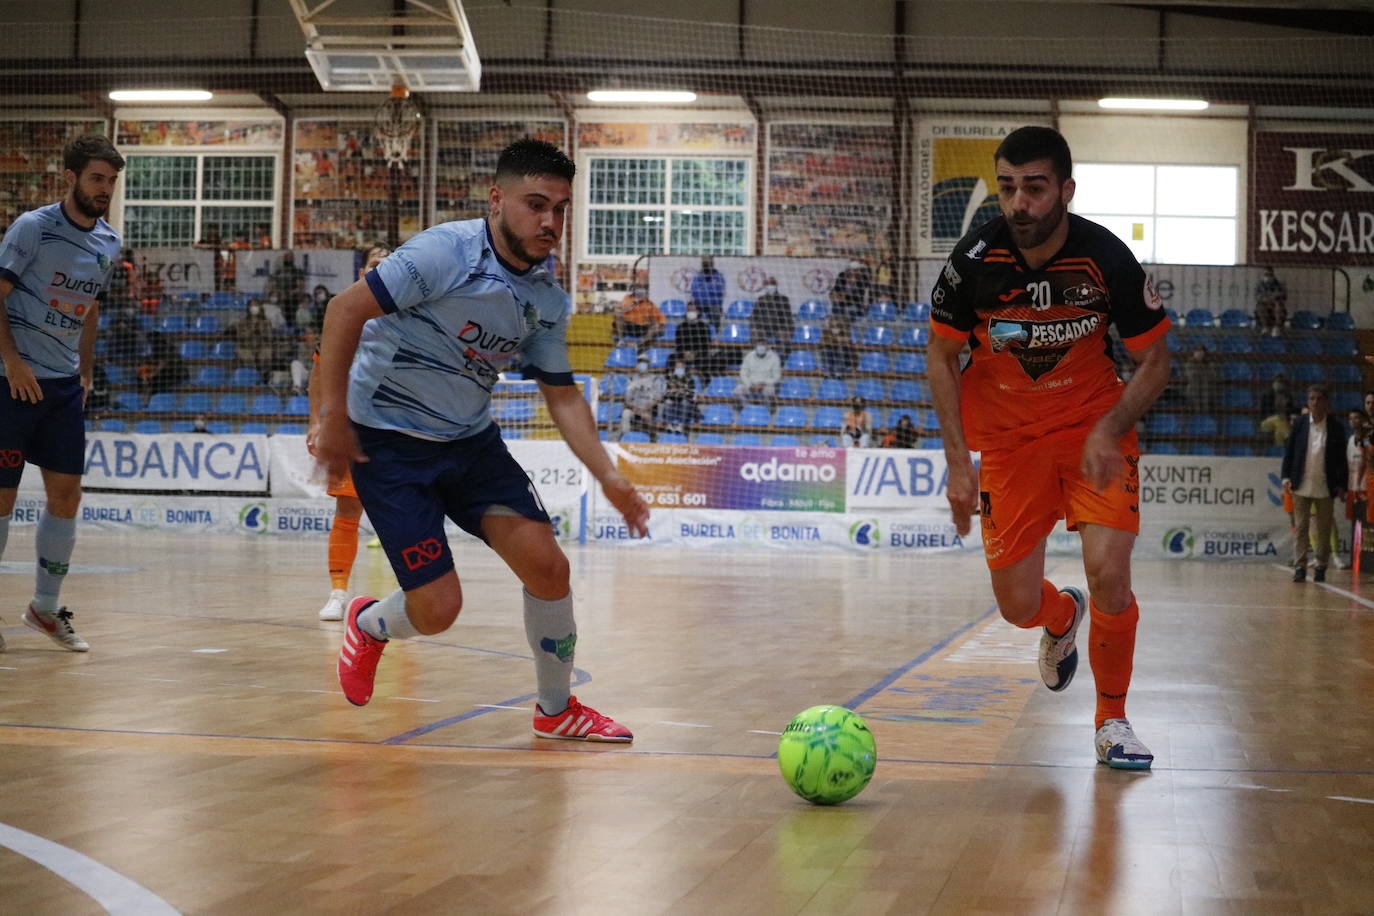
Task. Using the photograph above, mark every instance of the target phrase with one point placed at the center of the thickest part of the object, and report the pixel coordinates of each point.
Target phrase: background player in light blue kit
(408, 358)
(55, 264)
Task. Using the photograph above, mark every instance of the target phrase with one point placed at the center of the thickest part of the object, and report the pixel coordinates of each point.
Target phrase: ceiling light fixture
(161, 95)
(1153, 104)
(641, 95)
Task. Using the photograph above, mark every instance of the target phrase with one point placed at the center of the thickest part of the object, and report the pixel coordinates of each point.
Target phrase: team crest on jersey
(531, 317)
(1039, 345)
(103, 260)
(1084, 295)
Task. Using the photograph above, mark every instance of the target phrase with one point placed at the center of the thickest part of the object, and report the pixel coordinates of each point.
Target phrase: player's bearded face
(529, 215)
(93, 189)
(1033, 200)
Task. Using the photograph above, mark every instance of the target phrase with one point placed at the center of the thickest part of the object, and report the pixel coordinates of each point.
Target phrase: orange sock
(1056, 610)
(343, 549)
(1111, 652)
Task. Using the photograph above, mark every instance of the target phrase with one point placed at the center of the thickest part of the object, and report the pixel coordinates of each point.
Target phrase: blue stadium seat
(1304, 345)
(265, 405)
(253, 428)
(872, 362)
(721, 386)
(1236, 344)
(513, 410)
(801, 361)
(219, 427)
(225, 349)
(870, 389)
(813, 310)
(146, 323)
(181, 426)
(1340, 344)
(148, 427)
(1173, 316)
(210, 377)
(932, 442)
(1163, 424)
(916, 311)
(734, 332)
(289, 429)
(172, 324)
(1163, 448)
(1199, 318)
(196, 402)
(1310, 373)
(1236, 371)
(784, 439)
(909, 363)
(222, 299)
(914, 337)
(928, 421)
(206, 324)
(658, 357)
(1235, 318)
(515, 432)
(193, 349)
(1271, 346)
(823, 441)
(1345, 374)
(607, 412)
(710, 439)
(128, 400)
(621, 358)
(1269, 368)
(115, 374)
(1237, 398)
(805, 335)
(231, 403)
(790, 416)
(613, 384)
(162, 402)
(827, 418)
(298, 405)
(669, 334)
(832, 389)
(747, 439)
(1202, 425)
(906, 391)
(245, 377)
(717, 414)
(113, 426)
(878, 335)
(754, 415)
(882, 311)
(1238, 427)
(673, 309)
(672, 438)
(739, 310)
(1240, 451)
(795, 389)
(1340, 321)
(1305, 320)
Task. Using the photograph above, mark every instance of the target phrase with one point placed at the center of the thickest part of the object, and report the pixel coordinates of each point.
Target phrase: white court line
(759, 731)
(412, 699)
(7, 668)
(120, 896)
(209, 651)
(685, 724)
(1362, 801)
(1358, 599)
(496, 706)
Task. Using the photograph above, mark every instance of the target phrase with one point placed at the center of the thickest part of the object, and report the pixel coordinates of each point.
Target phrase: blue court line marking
(599, 748)
(579, 677)
(916, 662)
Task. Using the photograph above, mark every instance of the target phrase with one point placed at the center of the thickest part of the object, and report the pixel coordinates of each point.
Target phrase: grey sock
(387, 619)
(552, 635)
(4, 532)
(54, 539)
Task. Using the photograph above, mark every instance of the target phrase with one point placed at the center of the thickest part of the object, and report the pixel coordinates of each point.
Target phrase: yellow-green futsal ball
(827, 754)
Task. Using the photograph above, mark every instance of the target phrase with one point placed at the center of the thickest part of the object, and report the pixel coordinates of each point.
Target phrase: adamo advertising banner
(721, 477)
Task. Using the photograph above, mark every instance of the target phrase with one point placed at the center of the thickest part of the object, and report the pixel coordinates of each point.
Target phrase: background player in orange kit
(1032, 293)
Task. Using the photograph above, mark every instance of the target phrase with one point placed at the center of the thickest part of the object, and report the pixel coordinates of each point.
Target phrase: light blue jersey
(59, 270)
(456, 315)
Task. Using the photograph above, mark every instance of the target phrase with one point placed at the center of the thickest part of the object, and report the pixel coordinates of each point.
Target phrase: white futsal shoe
(1058, 654)
(57, 626)
(1119, 748)
(334, 608)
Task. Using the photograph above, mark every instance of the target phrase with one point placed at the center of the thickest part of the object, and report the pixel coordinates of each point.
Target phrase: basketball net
(396, 123)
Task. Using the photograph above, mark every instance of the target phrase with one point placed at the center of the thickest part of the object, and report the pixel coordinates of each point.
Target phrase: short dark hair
(1321, 390)
(78, 153)
(527, 157)
(1027, 144)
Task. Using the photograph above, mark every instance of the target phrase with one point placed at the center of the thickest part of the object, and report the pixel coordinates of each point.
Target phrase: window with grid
(172, 200)
(1166, 214)
(640, 205)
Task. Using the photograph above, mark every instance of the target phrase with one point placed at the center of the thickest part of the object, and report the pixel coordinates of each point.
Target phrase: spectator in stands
(200, 424)
(772, 316)
(1369, 405)
(98, 395)
(302, 360)
(856, 427)
(1355, 506)
(1279, 426)
(760, 372)
(679, 407)
(164, 368)
(253, 338)
(637, 317)
(838, 356)
(694, 345)
(1314, 471)
(122, 290)
(1278, 400)
(1271, 303)
(287, 281)
(126, 341)
(708, 291)
(903, 434)
(1202, 378)
(642, 396)
(849, 295)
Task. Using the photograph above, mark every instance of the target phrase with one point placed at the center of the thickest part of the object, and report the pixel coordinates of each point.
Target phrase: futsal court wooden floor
(201, 759)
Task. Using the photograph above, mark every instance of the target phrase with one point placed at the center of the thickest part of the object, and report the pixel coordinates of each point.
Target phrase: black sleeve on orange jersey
(951, 301)
(1135, 306)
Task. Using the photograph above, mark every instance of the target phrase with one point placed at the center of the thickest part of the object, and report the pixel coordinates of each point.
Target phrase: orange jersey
(1041, 361)
(640, 310)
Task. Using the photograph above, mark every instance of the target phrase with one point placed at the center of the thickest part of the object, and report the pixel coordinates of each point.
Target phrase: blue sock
(552, 635)
(4, 532)
(387, 619)
(55, 539)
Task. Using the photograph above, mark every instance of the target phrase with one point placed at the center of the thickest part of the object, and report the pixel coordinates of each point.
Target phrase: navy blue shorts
(409, 485)
(50, 434)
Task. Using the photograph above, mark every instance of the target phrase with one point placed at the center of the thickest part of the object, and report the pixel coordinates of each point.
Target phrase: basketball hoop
(396, 123)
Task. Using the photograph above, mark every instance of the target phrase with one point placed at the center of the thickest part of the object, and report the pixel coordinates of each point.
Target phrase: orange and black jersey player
(1041, 360)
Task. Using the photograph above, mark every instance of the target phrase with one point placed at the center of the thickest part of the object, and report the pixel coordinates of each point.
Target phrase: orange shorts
(1024, 491)
(341, 486)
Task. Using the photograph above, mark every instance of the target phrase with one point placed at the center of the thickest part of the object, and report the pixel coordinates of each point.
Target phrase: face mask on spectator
(254, 310)
(855, 265)
(761, 349)
(642, 367)
(679, 372)
(771, 288)
(691, 315)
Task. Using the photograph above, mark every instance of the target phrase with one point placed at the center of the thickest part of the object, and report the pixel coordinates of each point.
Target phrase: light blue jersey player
(55, 263)
(426, 334)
